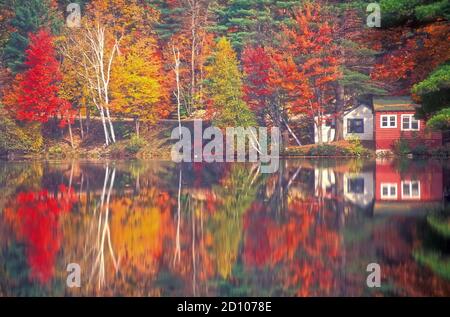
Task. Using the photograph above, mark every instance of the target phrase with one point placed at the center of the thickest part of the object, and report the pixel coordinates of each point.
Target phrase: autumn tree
(416, 52)
(35, 95)
(137, 84)
(184, 26)
(305, 67)
(107, 26)
(256, 65)
(225, 88)
(357, 59)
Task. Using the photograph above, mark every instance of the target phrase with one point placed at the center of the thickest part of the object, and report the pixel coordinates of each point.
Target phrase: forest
(103, 77)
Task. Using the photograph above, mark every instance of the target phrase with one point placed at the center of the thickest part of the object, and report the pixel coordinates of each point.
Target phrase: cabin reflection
(407, 186)
(386, 186)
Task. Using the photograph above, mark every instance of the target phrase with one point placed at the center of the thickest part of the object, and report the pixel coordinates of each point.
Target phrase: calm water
(161, 229)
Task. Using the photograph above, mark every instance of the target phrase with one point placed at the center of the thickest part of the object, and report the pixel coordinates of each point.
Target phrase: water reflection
(161, 229)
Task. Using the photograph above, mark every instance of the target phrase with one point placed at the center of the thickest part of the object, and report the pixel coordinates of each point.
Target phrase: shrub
(135, 144)
(443, 151)
(401, 147)
(56, 150)
(356, 147)
(16, 137)
(420, 150)
(351, 147)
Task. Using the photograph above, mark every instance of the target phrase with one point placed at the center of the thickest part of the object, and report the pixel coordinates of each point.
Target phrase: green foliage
(434, 258)
(169, 22)
(352, 147)
(396, 12)
(440, 121)
(435, 94)
(433, 10)
(135, 144)
(436, 81)
(225, 88)
(401, 147)
(439, 222)
(55, 150)
(360, 83)
(435, 261)
(30, 15)
(251, 21)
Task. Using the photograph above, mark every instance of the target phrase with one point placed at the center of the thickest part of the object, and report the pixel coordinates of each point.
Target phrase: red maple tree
(35, 92)
(256, 63)
(306, 65)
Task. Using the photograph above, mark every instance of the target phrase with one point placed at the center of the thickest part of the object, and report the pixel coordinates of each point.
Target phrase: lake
(152, 228)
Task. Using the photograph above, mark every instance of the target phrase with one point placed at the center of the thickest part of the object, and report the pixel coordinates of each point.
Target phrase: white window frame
(389, 186)
(411, 117)
(410, 183)
(388, 116)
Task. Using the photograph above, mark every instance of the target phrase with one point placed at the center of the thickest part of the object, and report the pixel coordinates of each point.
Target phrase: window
(389, 121)
(411, 189)
(409, 123)
(355, 185)
(355, 125)
(388, 191)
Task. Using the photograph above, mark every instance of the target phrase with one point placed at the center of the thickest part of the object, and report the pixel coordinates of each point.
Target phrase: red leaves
(411, 55)
(35, 94)
(256, 64)
(38, 216)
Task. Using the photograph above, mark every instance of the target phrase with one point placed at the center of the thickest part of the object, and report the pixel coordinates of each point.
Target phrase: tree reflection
(35, 216)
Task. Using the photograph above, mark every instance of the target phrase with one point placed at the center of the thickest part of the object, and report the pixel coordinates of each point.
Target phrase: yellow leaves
(138, 229)
(137, 84)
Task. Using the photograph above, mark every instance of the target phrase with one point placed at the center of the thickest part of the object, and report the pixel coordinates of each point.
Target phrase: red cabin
(394, 120)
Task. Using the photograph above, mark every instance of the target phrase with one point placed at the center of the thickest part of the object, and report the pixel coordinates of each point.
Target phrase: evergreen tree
(29, 16)
(170, 22)
(225, 88)
(252, 21)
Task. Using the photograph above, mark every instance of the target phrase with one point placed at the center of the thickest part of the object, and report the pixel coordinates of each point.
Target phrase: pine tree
(225, 88)
(29, 16)
(169, 22)
(252, 21)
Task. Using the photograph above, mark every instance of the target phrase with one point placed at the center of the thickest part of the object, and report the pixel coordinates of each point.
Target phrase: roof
(394, 104)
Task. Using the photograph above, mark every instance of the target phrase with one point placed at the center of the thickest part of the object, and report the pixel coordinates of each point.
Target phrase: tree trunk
(339, 112)
(88, 119)
(319, 130)
(137, 124)
(105, 129)
(81, 125)
(176, 56)
(111, 127)
(71, 136)
(292, 133)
